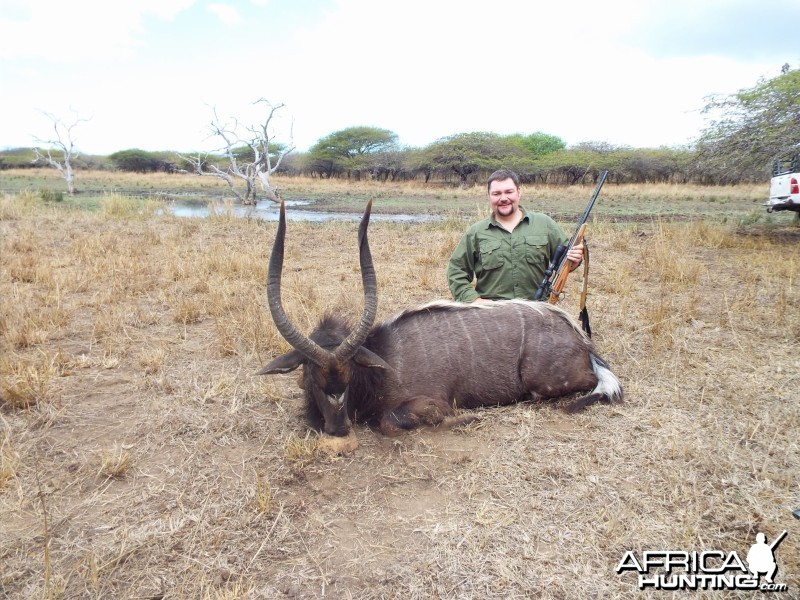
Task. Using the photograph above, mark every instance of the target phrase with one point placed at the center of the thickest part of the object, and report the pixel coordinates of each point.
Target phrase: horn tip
(282, 214)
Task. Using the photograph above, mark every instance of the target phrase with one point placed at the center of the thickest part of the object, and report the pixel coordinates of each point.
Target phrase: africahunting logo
(707, 570)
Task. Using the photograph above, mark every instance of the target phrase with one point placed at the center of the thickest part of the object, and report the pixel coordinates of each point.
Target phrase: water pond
(268, 211)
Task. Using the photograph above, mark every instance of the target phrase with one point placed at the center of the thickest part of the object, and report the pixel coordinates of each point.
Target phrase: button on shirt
(505, 264)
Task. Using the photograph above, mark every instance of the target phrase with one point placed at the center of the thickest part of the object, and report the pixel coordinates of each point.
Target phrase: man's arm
(461, 271)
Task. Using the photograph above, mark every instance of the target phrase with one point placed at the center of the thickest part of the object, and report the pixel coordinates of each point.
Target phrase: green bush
(49, 195)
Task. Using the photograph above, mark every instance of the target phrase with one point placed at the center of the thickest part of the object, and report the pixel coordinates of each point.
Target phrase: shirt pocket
(490, 254)
(536, 252)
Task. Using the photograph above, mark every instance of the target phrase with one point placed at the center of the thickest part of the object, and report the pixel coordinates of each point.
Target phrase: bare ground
(141, 458)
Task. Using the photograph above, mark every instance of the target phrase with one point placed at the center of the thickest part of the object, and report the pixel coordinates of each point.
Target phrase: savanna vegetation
(619, 202)
(745, 132)
(141, 458)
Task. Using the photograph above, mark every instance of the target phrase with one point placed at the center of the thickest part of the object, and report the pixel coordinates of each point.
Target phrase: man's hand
(575, 255)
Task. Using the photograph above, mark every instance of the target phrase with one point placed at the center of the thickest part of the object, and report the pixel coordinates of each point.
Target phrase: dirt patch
(151, 462)
(789, 234)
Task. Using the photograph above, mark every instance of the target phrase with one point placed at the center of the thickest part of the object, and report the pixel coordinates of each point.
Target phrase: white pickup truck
(784, 188)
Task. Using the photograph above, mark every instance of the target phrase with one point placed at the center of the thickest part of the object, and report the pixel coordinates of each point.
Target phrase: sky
(152, 74)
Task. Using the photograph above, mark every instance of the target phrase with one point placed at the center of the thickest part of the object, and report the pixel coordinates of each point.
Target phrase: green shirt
(504, 264)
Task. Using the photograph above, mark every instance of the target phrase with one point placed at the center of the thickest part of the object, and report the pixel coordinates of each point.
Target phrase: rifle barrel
(596, 193)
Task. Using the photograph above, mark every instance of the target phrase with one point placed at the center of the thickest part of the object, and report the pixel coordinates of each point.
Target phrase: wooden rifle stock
(558, 271)
(560, 277)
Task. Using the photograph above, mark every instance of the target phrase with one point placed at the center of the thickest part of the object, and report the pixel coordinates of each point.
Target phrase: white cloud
(423, 69)
(506, 66)
(225, 13)
(742, 29)
(79, 30)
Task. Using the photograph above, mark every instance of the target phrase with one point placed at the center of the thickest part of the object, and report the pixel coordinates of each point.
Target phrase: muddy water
(268, 211)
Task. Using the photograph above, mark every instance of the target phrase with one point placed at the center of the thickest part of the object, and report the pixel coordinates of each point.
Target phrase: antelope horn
(349, 346)
(297, 340)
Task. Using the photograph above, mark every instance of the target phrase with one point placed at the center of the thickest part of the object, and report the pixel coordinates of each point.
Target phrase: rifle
(555, 276)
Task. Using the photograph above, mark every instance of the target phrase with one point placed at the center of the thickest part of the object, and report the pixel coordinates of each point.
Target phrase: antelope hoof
(335, 445)
(461, 421)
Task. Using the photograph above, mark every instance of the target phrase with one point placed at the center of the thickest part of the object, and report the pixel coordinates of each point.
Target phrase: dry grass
(166, 469)
(114, 462)
(620, 202)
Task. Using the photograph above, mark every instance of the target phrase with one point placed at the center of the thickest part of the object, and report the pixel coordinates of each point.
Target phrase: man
(507, 253)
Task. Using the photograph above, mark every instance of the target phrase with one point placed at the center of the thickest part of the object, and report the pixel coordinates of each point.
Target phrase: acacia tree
(355, 149)
(466, 154)
(539, 143)
(251, 153)
(142, 161)
(64, 144)
(749, 128)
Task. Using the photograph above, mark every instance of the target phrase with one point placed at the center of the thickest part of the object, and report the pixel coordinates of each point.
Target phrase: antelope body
(418, 367)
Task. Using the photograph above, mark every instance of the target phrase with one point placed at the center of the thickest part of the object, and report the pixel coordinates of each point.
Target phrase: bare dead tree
(250, 151)
(63, 143)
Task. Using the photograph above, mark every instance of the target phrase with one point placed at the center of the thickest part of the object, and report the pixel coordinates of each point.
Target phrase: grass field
(141, 458)
(625, 202)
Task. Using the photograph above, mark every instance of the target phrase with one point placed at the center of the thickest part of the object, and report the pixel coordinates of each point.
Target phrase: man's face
(504, 197)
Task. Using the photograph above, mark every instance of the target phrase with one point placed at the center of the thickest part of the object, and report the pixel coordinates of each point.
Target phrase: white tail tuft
(607, 383)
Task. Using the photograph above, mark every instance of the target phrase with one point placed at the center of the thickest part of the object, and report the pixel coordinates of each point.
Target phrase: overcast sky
(146, 74)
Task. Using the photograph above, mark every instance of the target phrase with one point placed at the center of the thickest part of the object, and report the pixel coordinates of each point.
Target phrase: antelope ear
(367, 358)
(285, 363)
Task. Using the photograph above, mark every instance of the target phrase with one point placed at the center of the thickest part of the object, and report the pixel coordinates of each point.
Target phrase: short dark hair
(501, 175)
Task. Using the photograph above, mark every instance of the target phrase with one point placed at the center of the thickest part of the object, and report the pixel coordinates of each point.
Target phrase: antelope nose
(338, 431)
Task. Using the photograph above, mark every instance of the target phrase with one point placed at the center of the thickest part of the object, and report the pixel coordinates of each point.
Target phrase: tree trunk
(69, 177)
(270, 192)
(249, 198)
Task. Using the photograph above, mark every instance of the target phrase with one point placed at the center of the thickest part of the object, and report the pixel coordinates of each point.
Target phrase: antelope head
(326, 358)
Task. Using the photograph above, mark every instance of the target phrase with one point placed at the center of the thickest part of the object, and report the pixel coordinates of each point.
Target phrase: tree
(569, 166)
(749, 128)
(354, 150)
(467, 154)
(650, 165)
(141, 161)
(251, 153)
(538, 143)
(63, 143)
